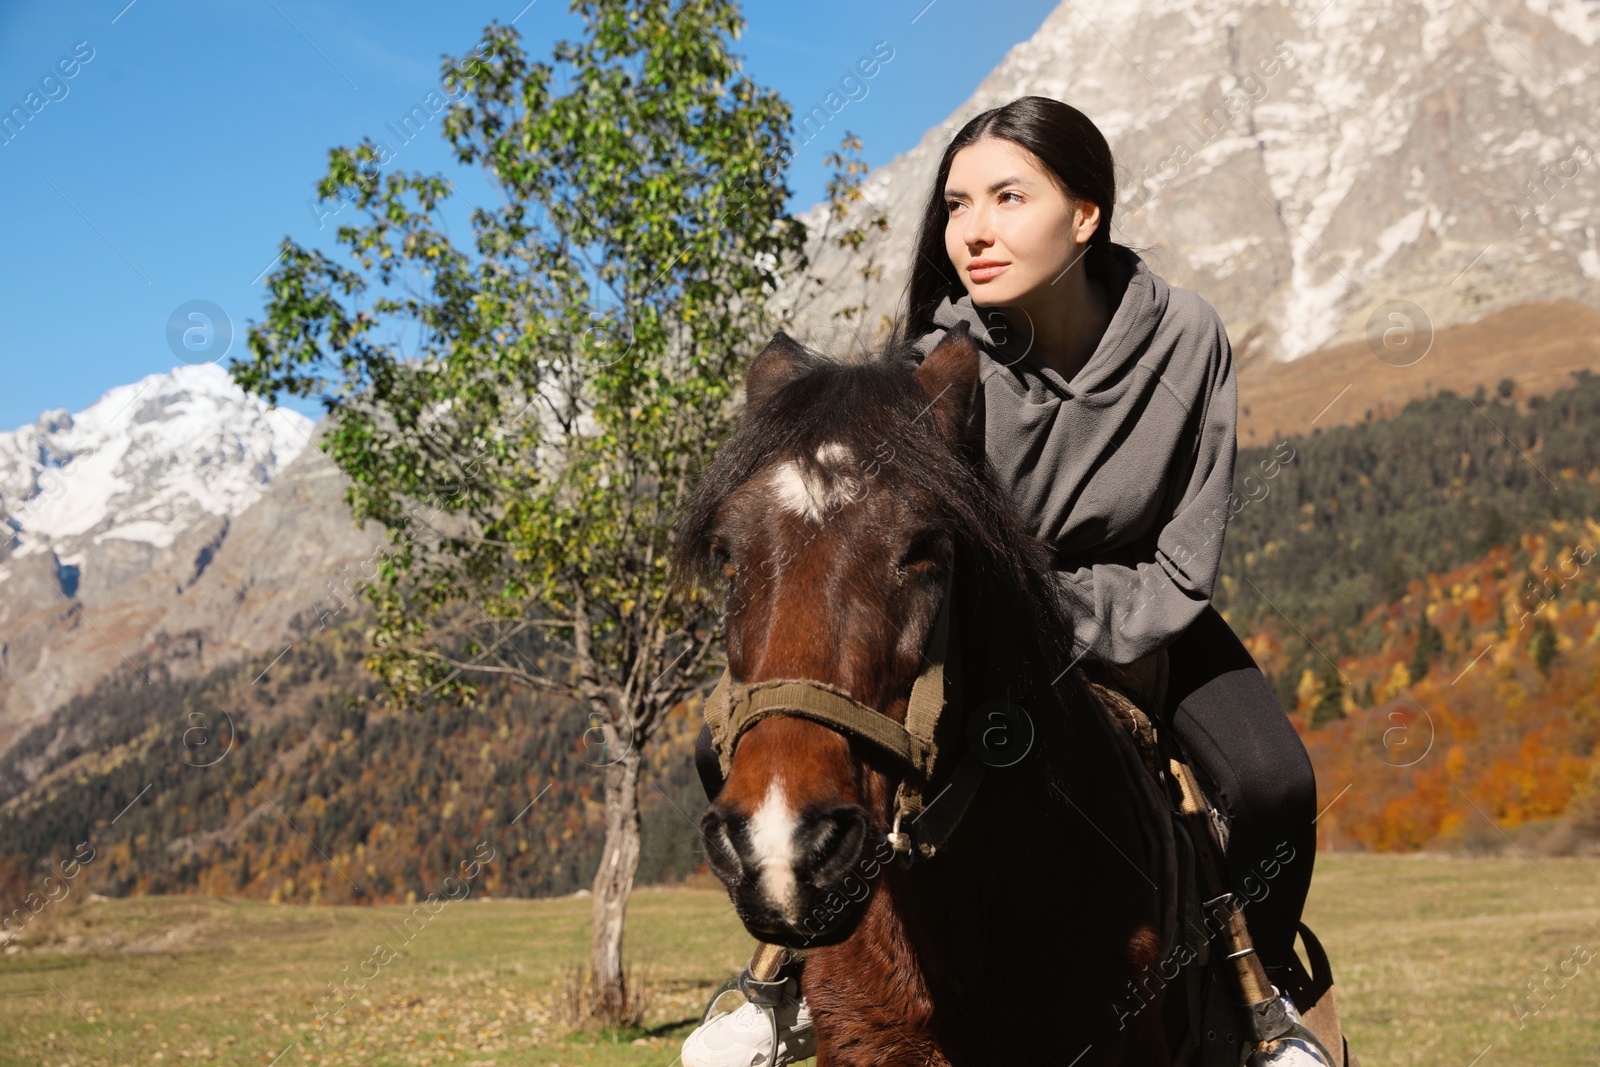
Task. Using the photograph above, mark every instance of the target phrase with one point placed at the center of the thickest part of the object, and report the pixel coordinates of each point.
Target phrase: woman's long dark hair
(1069, 145)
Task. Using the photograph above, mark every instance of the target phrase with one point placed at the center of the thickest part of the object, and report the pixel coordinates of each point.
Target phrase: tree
(1329, 706)
(1496, 530)
(1430, 642)
(1542, 644)
(575, 368)
(850, 234)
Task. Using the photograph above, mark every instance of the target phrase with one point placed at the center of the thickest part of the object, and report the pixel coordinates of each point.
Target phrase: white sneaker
(1292, 1051)
(743, 1038)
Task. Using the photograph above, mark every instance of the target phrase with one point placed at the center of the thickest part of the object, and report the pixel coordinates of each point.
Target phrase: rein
(733, 707)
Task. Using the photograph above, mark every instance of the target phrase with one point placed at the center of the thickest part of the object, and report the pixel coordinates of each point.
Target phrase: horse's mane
(871, 403)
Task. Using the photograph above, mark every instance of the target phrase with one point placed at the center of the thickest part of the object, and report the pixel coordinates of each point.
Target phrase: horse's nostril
(721, 856)
(834, 845)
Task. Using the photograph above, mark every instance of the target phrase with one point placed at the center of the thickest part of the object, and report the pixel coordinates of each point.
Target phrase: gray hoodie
(1127, 469)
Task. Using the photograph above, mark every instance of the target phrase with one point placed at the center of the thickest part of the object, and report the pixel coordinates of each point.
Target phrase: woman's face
(1011, 231)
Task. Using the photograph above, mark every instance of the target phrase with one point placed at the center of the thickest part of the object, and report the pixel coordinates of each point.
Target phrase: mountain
(1307, 166)
(140, 465)
(143, 518)
(1304, 166)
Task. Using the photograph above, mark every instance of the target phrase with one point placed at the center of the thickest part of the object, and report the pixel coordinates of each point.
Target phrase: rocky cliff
(1309, 165)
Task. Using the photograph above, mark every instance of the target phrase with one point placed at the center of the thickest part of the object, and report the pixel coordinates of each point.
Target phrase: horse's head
(834, 516)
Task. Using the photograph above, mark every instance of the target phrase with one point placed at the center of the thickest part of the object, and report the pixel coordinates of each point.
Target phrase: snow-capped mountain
(176, 521)
(1301, 163)
(131, 473)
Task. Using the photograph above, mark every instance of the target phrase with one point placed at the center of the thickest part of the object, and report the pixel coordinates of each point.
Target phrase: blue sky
(186, 142)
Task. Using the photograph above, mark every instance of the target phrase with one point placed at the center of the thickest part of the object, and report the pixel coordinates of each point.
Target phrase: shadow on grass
(622, 1035)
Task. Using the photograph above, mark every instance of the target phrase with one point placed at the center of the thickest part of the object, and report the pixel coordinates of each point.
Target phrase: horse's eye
(923, 552)
(721, 559)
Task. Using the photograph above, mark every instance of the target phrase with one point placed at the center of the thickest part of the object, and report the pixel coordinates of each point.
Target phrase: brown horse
(836, 514)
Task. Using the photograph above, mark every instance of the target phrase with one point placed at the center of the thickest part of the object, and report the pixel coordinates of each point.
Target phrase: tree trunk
(612, 884)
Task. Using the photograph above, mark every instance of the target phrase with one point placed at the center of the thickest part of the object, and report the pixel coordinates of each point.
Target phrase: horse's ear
(949, 376)
(775, 366)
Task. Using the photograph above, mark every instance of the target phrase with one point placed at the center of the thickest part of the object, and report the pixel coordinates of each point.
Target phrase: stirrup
(1269, 1017)
(1299, 1030)
(746, 988)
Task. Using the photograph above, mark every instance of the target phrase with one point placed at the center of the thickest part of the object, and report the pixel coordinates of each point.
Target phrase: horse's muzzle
(796, 880)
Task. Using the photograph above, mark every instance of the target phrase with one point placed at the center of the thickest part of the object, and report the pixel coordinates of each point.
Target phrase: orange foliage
(1487, 740)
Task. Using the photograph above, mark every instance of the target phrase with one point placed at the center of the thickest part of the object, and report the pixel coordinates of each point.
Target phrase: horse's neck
(1008, 859)
(1019, 855)
(1032, 907)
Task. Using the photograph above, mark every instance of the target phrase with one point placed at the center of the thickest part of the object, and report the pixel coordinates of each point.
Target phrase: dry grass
(1432, 952)
(580, 1007)
(1538, 346)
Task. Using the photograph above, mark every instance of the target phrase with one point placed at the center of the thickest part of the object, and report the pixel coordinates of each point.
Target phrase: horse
(850, 502)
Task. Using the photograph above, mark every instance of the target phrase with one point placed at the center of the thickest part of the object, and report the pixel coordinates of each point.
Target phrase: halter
(734, 707)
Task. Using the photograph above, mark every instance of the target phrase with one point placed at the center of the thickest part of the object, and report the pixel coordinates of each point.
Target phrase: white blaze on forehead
(773, 854)
(807, 493)
(795, 490)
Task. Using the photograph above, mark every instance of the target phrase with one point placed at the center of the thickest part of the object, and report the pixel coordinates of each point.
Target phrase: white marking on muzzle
(773, 830)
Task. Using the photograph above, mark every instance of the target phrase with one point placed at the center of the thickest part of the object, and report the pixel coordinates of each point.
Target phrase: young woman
(1109, 407)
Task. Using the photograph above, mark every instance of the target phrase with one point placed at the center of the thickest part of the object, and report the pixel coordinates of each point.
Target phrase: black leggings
(1254, 767)
(1252, 764)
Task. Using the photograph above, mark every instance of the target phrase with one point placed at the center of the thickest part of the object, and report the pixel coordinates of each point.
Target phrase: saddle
(1157, 765)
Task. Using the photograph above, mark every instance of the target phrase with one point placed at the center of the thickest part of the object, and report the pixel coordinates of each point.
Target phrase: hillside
(1331, 524)
(1538, 347)
(1465, 709)
(1422, 593)
(287, 782)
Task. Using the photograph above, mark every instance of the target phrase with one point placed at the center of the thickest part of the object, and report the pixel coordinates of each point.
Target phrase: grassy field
(1435, 957)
